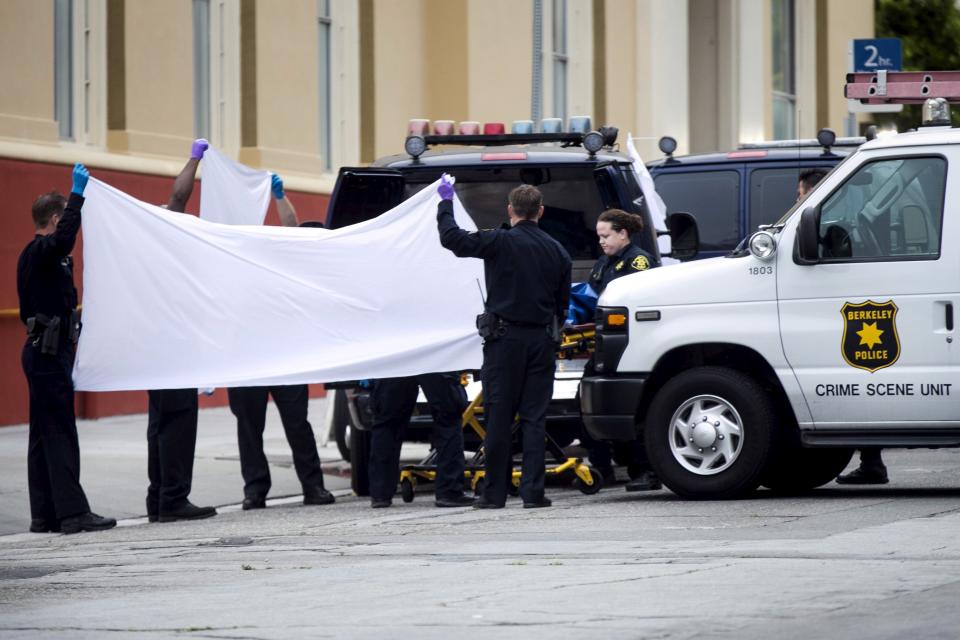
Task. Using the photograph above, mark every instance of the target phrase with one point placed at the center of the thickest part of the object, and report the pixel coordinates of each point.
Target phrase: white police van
(834, 330)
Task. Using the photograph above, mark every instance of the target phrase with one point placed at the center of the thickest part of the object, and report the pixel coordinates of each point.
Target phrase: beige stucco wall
(159, 79)
(26, 70)
(621, 66)
(845, 20)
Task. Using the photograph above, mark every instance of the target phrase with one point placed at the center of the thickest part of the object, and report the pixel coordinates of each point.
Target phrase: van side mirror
(808, 237)
(684, 236)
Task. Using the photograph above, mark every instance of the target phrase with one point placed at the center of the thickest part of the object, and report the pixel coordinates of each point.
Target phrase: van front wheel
(709, 433)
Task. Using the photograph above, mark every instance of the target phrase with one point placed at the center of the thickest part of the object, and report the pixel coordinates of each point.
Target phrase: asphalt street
(841, 562)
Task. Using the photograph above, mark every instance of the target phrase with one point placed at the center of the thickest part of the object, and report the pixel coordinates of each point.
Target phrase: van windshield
(571, 200)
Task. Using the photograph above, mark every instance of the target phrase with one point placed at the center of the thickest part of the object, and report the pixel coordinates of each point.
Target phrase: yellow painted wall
(500, 59)
(26, 70)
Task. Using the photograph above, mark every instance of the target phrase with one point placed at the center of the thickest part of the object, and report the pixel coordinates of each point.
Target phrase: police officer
(48, 306)
(172, 413)
(621, 257)
(393, 401)
(528, 285)
(249, 405)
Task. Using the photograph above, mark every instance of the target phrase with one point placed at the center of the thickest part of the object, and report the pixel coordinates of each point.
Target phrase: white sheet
(232, 193)
(172, 301)
(658, 209)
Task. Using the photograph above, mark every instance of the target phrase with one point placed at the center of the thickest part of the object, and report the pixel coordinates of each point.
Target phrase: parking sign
(877, 54)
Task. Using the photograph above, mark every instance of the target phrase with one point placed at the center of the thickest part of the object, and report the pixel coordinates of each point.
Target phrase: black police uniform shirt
(45, 268)
(527, 271)
(632, 259)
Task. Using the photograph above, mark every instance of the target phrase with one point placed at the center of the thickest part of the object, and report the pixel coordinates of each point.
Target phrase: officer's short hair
(620, 220)
(45, 206)
(811, 177)
(526, 201)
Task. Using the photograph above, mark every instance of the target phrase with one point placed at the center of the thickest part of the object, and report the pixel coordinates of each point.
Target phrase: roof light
(469, 128)
(551, 125)
(494, 129)
(443, 127)
(593, 142)
(522, 126)
(827, 138)
(936, 113)
(504, 155)
(668, 145)
(579, 124)
(418, 127)
(886, 132)
(759, 153)
(415, 146)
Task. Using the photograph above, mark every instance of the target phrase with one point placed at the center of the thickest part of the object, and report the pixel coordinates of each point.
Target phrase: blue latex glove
(446, 186)
(199, 147)
(80, 177)
(276, 185)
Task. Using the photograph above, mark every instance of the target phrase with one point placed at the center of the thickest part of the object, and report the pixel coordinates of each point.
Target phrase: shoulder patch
(640, 263)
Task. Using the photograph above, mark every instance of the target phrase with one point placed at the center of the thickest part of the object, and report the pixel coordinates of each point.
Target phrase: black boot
(865, 475)
(88, 521)
(187, 511)
(40, 525)
(317, 495)
(646, 481)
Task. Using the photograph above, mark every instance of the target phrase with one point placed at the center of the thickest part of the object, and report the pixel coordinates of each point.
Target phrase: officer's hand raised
(446, 186)
(199, 147)
(276, 186)
(80, 177)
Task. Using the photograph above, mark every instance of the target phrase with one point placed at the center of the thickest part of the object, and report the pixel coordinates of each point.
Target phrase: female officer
(620, 257)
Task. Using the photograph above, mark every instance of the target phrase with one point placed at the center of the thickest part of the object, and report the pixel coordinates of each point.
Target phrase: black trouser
(602, 454)
(171, 444)
(518, 371)
(249, 405)
(871, 458)
(53, 454)
(393, 402)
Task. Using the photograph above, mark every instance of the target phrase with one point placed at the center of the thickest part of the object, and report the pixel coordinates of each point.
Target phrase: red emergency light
(418, 127)
(494, 129)
(469, 128)
(733, 155)
(503, 155)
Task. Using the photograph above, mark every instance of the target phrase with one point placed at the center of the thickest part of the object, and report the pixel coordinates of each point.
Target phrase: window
(784, 70)
(772, 193)
(201, 68)
(324, 34)
(63, 67)
(712, 197)
(887, 209)
(560, 59)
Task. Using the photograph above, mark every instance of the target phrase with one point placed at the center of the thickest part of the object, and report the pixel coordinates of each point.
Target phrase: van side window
(712, 197)
(887, 210)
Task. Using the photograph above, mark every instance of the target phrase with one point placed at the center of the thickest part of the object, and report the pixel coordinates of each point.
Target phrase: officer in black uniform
(48, 306)
(172, 413)
(528, 285)
(621, 257)
(393, 402)
(249, 405)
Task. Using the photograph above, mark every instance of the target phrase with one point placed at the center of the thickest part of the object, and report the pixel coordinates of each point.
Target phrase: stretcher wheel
(406, 490)
(590, 489)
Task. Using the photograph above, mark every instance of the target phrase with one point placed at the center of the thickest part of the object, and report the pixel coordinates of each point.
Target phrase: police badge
(870, 340)
(640, 263)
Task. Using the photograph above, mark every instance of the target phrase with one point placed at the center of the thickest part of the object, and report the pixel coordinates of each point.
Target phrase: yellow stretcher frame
(575, 341)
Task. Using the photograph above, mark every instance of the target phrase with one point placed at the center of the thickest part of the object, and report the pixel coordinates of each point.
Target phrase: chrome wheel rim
(706, 435)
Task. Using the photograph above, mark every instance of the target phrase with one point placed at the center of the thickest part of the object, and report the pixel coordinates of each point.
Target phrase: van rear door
(363, 193)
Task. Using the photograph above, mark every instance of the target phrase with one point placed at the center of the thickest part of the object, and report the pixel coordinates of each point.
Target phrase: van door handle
(949, 318)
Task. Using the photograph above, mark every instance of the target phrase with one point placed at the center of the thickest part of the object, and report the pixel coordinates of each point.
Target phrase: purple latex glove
(199, 146)
(446, 186)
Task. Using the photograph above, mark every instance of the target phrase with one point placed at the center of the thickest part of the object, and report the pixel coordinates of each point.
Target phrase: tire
(589, 489)
(798, 469)
(341, 423)
(692, 429)
(406, 490)
(360, 463)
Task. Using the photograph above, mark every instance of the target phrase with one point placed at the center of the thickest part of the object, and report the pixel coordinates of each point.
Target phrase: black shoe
(455, 501)
(188, 511)
(40, 525)
(152, 506)
(865, 475)
(87, 522)
(483, 503)
(538, 504)
(257, 502)
(318, 495)
(380, 503)
(646, 481)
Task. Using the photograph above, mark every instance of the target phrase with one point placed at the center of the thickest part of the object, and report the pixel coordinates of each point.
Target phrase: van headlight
(763, 245)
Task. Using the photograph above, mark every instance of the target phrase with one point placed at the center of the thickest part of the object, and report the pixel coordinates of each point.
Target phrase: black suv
(580, 175)
(731, 194)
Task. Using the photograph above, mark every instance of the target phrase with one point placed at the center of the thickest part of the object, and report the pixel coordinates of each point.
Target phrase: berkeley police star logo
(870, 340)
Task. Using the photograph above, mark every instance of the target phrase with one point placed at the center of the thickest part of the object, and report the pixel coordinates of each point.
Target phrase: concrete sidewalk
(113, 467)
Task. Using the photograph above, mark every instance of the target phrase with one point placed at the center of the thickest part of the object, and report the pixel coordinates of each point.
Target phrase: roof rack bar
(903, 87)
(805, 143)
